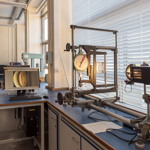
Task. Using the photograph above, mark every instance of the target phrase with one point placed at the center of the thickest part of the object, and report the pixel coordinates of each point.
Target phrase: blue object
(15, 63)
(32, 56)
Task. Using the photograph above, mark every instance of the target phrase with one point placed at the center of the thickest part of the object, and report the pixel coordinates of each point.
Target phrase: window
(44, 19)
(131, 19)
(45, 29)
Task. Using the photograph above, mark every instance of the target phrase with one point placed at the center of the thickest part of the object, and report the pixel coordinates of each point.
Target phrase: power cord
(129, 141)
(126, 90)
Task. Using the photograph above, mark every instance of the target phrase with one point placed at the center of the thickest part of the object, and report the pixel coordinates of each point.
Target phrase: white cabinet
(69, 138)
(64, 134)
(86, 145)
(52, 125)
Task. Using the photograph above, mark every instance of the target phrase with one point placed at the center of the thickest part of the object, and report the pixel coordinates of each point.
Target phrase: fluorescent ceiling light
(15, 4)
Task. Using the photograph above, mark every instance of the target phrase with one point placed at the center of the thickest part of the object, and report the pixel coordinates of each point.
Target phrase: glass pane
(46, 29)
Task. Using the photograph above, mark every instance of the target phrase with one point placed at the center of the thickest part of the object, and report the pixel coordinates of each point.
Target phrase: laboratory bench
(66, 127)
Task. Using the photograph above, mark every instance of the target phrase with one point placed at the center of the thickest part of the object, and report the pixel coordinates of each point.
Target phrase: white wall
(20, 38)
(34, 32)
(12, 39)
(7, 44)
(64, 37)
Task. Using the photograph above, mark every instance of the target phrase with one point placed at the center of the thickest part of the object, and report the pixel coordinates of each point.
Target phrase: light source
(128, 71)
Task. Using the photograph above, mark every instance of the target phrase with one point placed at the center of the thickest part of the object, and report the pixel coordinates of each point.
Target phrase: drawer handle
(74, 139)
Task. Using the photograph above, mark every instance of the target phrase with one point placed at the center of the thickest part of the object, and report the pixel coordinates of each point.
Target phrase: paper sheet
(98, 127)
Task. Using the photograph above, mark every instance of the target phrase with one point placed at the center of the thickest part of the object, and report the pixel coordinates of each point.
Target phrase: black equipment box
(140, 74)
(31, 121)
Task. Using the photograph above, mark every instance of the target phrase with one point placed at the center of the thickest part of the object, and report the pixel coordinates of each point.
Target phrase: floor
(24, 145)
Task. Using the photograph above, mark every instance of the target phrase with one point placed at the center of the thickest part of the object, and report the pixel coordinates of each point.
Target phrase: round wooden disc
(16, 79)
(23, 79)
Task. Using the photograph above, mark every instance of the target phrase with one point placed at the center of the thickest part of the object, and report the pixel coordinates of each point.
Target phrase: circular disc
(78, 64)
(16, 79)
(23, 79)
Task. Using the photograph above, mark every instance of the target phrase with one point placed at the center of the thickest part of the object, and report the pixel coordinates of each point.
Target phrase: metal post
(115, 66)
(42, 67)
(105, 69)
(94, 68)
(144, 89)
(115, 116)
(42, 126)
(72, 63)
(123, 109)
(75, 76)
(148, 111)
(32, 62)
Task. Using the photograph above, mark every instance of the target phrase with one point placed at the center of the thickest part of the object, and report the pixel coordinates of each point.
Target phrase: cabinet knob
(75, 140)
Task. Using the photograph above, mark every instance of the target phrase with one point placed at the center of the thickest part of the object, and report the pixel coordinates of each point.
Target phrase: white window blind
(132, 20)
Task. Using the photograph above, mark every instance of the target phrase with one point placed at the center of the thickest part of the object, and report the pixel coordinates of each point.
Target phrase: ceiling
(8, 12)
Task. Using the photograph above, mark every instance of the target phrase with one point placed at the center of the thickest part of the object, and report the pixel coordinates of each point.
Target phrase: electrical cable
(126, 90)
(129, 141)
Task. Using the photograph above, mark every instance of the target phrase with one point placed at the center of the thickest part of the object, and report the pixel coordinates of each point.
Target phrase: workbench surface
(81, 117)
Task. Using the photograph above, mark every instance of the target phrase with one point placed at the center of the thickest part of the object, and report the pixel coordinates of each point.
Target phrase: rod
(88, 96)
(89, 28)
(94, 70)
(75, 75)
(97, 91)
(79, 103)
(106, 85)
(115, 116)
(148, 111)
(144, 88)
(98, 47)
(101, 99)
(124, 109)
(105, 74)
(115, 66)
(72, 63)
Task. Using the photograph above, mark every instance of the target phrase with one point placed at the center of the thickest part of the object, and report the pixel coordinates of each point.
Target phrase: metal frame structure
(92, 50)
(142, 122)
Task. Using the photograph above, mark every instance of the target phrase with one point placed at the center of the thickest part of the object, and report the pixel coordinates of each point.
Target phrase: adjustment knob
(60, 98)
(68, 47)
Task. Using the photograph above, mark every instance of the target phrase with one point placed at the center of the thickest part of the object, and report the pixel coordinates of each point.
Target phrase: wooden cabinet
(53, 134)
(69, 138)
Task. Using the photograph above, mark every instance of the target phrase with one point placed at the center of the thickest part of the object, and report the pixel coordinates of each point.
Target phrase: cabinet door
(52, 129)
(86, 145)
(69, 138)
